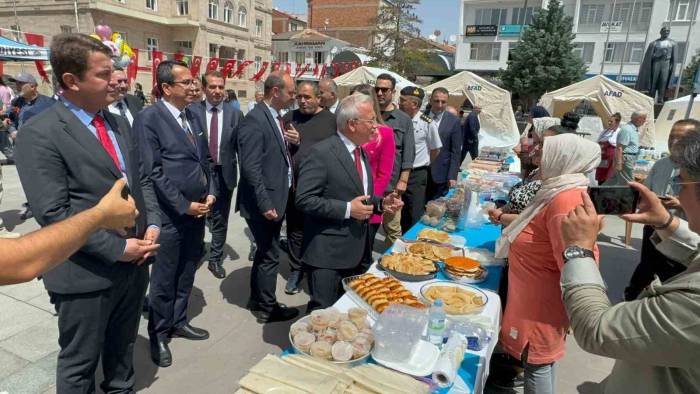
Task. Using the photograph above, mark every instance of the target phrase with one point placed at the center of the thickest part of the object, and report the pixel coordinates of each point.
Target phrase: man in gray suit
(68, 157)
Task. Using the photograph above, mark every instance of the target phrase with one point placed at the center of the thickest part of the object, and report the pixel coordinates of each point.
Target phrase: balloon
(104, 31)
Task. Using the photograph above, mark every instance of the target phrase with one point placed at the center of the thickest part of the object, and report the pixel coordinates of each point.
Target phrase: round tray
(465, 280)
(350, 363)
(459, 285)
(408, 277)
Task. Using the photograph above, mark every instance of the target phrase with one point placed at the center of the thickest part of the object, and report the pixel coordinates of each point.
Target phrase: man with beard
(314, 124)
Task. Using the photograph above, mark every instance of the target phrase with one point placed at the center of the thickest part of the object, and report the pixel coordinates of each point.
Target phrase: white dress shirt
(350, 146)
(276, 121)
(437, 118)
(334, 107)
(427, 138)
(220, 122)
(113, 108)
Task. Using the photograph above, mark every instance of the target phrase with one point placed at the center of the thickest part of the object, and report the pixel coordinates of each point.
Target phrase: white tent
(366, 74)
(498, 126)
(672, 112)
(606, 97)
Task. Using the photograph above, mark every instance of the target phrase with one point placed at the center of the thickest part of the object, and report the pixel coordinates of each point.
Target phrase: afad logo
(474, 87)
(613, 93)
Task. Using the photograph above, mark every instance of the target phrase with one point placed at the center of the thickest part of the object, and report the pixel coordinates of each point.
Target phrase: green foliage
(689, 72)
(543, 60)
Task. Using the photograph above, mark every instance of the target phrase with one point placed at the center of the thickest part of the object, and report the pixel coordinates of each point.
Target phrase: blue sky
(440, 15)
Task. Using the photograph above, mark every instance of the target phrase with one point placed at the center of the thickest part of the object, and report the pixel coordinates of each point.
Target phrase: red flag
(260, 72)
(196, 64)
(38, 39)
(228, 67)
(275, 66)
(336, 69)
(301, 72)
(178, 56)
(315, 70)
(323, 71)
(133, 68)
(156, 58)
(213, 64)
(288, 70)
(241, 67)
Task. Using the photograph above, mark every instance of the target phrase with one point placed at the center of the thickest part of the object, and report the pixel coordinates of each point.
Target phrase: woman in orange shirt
(534, 322)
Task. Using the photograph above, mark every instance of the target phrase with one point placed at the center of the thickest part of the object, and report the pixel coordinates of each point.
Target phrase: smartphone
(614, 200)
(664, 198)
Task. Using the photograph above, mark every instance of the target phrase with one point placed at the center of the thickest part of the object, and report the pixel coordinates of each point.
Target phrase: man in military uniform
(428, 144)
(657, 67)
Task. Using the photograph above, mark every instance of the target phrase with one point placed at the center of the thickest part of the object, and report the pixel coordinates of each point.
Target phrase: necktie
(120, 107)
(186, 128)
(358, 164)
(286, 147)
(214, 135)
(106, 142)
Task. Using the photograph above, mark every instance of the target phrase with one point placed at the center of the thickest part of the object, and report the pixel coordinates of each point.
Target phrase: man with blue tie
(178, 161)
(445, 167)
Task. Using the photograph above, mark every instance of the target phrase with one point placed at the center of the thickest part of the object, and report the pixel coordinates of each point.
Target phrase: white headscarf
(566, 158)
(541, 124)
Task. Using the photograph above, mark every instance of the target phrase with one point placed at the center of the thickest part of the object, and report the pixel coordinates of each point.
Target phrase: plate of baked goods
(432, 234)
(408, 267)
(328, 334)
(376, 294)
(429, 250)
(465, 270)
(458, 299)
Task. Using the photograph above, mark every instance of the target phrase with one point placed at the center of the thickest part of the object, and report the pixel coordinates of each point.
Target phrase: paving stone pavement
(28, 334)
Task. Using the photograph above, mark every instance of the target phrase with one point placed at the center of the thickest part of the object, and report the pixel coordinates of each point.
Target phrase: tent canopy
(16, 51)
(606, 97)
(672, 112)
(498, 126)
(366, 74)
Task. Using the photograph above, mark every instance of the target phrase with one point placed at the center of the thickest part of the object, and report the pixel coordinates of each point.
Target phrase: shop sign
(308, 45)
(481, 30)
(612, 26)
(510, 30)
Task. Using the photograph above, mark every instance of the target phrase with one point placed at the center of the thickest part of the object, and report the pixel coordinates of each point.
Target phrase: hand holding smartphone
(614, 200)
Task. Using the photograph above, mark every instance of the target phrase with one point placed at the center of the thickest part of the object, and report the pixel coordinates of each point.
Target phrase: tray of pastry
(376, 293)
(408, 267)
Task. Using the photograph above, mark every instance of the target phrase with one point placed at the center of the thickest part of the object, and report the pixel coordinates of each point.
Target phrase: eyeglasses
(677, 183)
(381, 89)
(185, 82)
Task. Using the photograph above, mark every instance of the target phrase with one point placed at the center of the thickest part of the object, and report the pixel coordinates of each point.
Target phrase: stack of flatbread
(297, 374)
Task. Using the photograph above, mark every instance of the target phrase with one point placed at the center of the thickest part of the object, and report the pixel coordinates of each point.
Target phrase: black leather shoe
(217, 269)
(160, 354)
(279, 313)
(189, 332)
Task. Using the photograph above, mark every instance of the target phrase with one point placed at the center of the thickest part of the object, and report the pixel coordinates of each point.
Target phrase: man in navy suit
(220, 123)
(178, 161)
(445, 167)
(470, 131)
(265, 186)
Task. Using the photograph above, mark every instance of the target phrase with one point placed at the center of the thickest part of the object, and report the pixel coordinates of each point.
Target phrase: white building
(306, 47)
(491, 28)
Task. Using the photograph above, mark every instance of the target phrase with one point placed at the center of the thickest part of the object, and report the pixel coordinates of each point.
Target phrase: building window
(282, 57)
(638, 15)
(151, 45)
(591, 14)
(152, 5)
(258, 27)
(521, 17)
(184, 46)
(66, 29)
(182, 7)
(242, 94)
(485, 51)
(318, 57)
(299, 57)
(258, 63)
(491, 16)
(213, 9)
(682, 10)
(633, 52)
(212, 50)
(293, 26)
(228, 12)
(242, 16)
(584, 50)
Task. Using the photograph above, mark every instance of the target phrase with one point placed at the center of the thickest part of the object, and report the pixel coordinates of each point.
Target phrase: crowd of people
(336, 170)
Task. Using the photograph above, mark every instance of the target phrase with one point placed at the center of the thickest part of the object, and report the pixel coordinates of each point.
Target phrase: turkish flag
(241, 67)
(260, 73)
(323, 71)
(315, 70)
(196, 64)
(178, 56)
(133, 66)
(213, 64)
(38, 40)
(228, 67)
(301, 72)
(156, 58)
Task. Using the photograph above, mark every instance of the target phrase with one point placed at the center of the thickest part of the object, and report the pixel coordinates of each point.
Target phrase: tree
(395, 24)
(689, 73)
(543, 60)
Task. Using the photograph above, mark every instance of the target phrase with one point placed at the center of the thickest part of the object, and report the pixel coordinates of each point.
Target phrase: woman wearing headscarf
(535, 323)
(608, 141)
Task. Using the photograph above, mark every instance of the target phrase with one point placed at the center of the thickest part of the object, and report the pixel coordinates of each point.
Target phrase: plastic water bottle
(436, 323)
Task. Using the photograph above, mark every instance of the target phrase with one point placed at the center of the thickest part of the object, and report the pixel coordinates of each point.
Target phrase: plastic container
(397, 332)
(437, 322)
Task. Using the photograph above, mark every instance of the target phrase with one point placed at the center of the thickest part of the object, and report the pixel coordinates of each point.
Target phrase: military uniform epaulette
(426, 118)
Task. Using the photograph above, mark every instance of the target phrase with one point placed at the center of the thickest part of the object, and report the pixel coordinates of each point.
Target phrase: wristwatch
(575, 252)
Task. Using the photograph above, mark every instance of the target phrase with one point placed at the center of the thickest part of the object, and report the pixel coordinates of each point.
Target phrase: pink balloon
(104, 31)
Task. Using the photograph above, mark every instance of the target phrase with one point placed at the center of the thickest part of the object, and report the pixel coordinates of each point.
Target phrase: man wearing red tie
(334, 193)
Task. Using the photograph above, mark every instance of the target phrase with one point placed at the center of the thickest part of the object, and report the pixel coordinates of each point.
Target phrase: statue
(657, 67)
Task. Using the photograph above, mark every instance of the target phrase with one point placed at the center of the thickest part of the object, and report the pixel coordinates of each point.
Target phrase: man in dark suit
(68, 157)
(335, 194)
(266, 178)
(177, 160)
(445, 168)
(470, 134)
(220, 123)
(125, 104)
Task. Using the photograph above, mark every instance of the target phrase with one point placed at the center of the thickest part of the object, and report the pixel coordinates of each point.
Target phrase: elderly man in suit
(445, 168)
(335, 194)
(125, 104)
(266, 182)
(179, 164)
(220, 122)
(68, 157)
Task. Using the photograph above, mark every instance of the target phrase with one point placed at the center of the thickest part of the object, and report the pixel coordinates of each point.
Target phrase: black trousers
(435, 190)
(414, 198)
(295, 233)
(102, 323)
(471, 147)
(218, 220)
(325, 286)
(172, 275)
(652, 262)
(263, 277)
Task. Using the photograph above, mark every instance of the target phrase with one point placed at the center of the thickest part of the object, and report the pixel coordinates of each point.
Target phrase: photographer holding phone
(654, 338)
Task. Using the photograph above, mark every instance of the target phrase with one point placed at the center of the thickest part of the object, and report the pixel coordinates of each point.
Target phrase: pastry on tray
(379, 293)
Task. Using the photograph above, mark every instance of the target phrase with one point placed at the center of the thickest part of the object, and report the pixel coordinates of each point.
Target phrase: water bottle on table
(436, 323)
